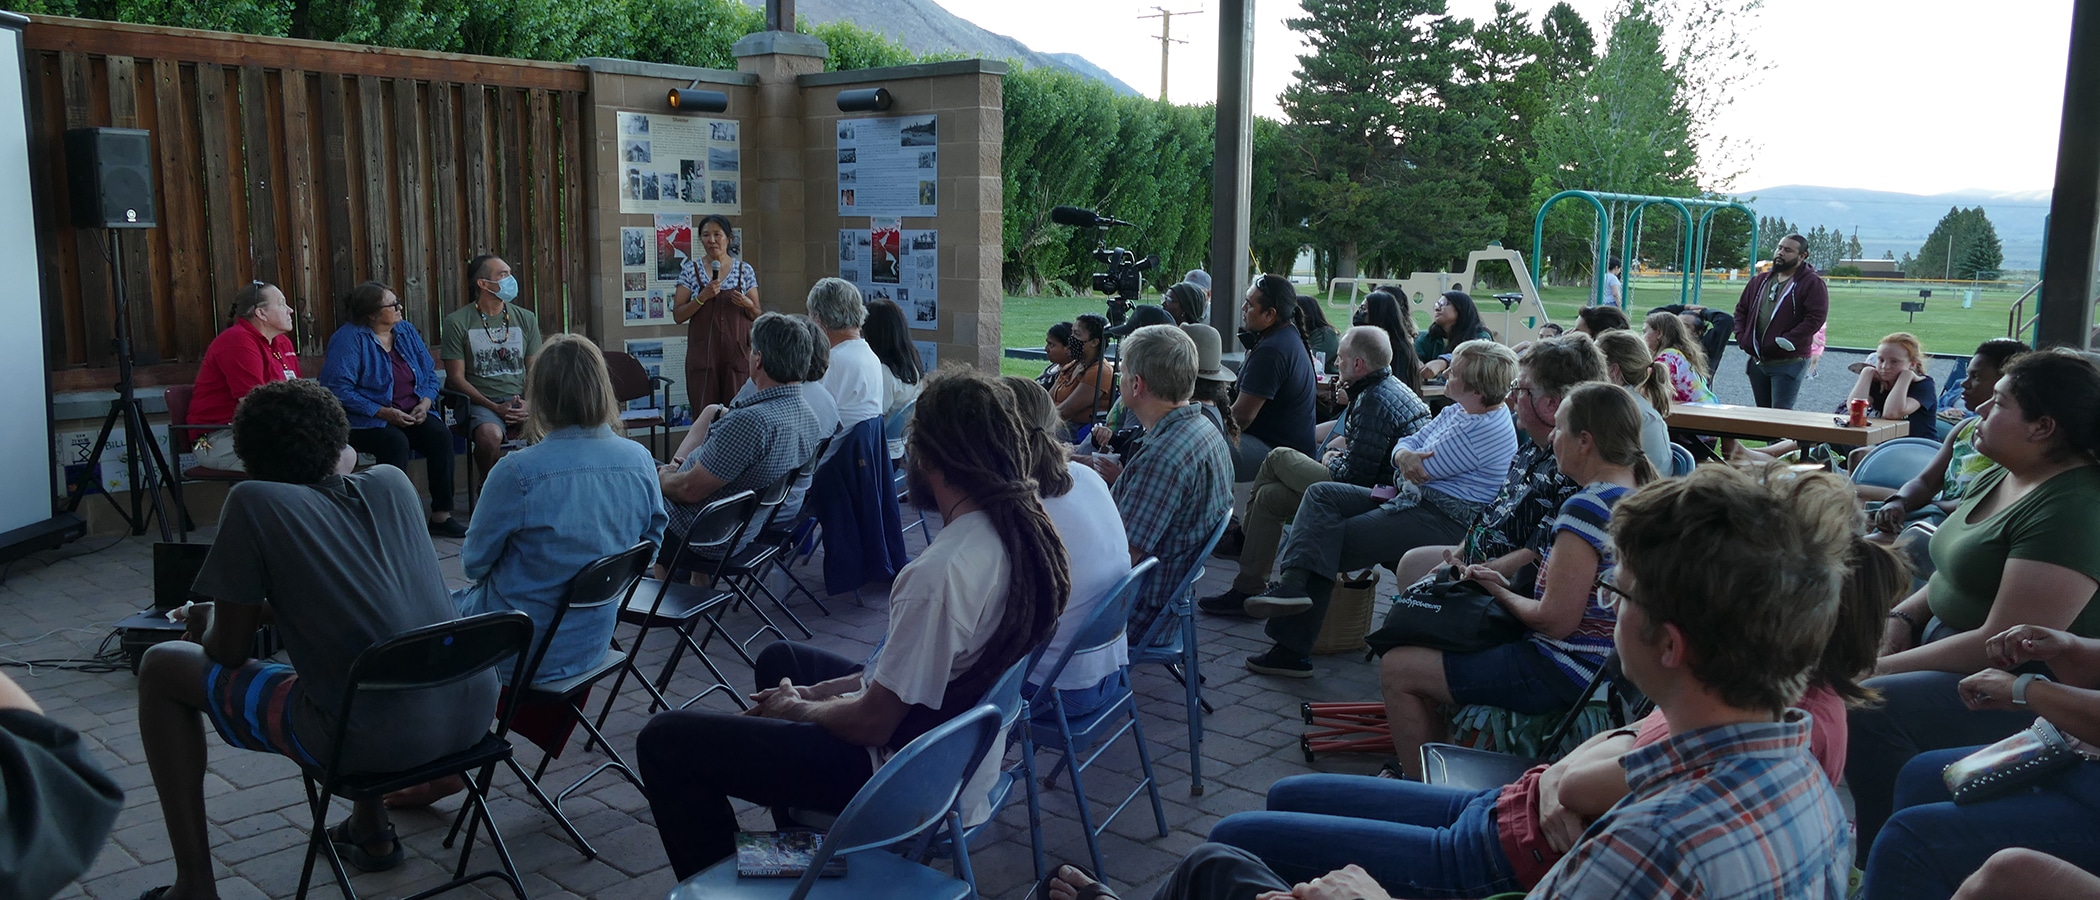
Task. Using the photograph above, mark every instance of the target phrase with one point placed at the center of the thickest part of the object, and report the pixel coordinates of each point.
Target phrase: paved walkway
(61, 610)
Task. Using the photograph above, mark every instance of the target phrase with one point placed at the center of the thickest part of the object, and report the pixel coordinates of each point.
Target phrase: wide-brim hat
(1210, 353)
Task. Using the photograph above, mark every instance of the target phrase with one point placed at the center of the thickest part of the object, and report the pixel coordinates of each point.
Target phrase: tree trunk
(1345, 260)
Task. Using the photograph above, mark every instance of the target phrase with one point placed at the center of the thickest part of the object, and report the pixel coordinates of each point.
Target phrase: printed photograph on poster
(676, 164)
(660, 356)
(885, 236)
(634, 248)
(674, 244)
(892, 166)
(925, 311)
(637, 309)
(656, 305)
(634, 281)
(929, 355)
(873, 292)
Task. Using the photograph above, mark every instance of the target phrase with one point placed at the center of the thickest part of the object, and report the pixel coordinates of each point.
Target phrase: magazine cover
(782, 854)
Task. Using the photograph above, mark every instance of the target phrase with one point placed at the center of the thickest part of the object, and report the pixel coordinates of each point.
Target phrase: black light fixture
(689, 99)
(864, 100)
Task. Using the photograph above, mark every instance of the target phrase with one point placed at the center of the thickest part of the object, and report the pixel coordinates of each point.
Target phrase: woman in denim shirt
(382, 372)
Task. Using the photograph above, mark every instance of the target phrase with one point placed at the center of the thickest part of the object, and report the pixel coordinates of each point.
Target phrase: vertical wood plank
(372, 131)
(313, 309)
(510, 186)
(98, 312)
(181, 213)
(544, 211)
(445, 282)
(335, 171)
(220, 187)
(474, 135)
(134, 247)
(410, 154)
(257, 153)
(575, 230)
(62, 299)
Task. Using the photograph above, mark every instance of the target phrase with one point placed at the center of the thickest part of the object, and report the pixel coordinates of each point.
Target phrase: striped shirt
(1586, 515)
(1734, 812)
(1472, 451)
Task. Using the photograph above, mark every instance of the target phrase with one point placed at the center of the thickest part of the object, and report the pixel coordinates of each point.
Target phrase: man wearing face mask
(486, 346)
(1776, 322)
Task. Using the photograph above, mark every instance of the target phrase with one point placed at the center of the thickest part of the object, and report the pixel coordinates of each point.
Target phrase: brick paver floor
(58, 605)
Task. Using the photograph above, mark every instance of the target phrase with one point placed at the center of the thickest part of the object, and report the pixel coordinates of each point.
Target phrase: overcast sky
(1919, 96)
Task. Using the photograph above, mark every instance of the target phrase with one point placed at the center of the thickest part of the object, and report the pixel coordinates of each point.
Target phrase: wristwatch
(2019, 689)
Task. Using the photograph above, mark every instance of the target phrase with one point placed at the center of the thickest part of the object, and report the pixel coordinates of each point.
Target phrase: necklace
(496, 335)
(948, 515)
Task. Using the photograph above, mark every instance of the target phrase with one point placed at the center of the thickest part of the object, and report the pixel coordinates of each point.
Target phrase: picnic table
(1722, 420)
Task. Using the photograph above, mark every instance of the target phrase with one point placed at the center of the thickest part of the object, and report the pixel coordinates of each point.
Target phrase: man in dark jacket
(1776, 322)
(1381, 412)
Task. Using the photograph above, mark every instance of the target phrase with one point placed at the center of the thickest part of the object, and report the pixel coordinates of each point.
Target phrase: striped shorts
(251, 708)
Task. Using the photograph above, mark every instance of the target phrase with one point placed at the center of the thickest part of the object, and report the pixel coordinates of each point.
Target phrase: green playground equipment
(1694, 255)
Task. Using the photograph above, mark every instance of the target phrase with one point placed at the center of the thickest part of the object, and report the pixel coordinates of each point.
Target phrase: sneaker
(1230, 603)
(1277, 662)
(1276, 602)
(450, 528)
(1229, 545)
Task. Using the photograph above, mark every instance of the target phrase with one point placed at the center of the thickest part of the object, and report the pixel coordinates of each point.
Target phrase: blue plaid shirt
(1735, 812)
(1172, 497)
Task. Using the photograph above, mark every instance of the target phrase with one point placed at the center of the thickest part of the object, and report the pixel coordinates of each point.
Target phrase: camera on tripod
(1124, 280)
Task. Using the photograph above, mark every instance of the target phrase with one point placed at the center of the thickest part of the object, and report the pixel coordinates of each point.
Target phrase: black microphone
(1082, 218)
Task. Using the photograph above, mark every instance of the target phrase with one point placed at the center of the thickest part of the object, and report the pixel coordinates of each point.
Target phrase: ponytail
(1641, 370)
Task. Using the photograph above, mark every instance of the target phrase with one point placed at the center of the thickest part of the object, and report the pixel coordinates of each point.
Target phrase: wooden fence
(309, 165)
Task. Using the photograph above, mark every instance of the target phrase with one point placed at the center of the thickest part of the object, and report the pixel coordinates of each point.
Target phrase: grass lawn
(1860, 314)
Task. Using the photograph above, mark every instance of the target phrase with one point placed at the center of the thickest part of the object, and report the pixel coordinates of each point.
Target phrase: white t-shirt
(1092, 529)
(944, 606)
(855, 381)
(895, 394)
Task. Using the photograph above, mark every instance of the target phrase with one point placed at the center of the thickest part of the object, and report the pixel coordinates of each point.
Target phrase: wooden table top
(1720, 420)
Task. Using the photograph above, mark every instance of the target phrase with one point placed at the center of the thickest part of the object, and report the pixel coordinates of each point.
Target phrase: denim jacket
(358, 372)
(547, 511)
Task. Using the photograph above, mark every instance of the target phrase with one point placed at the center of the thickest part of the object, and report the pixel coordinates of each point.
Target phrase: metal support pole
(1232, 167)
(2069, 252)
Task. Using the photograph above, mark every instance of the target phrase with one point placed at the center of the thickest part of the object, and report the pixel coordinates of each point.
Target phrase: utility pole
(1166, 40)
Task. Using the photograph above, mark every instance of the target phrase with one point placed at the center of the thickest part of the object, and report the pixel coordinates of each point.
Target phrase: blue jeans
(1920, 711)
(1417, 840)
(1931, 845)
(1775, 384)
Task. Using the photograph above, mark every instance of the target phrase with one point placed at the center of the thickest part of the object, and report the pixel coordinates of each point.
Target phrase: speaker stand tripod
(153, 466)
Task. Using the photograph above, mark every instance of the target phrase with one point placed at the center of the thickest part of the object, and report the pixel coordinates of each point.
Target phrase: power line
(1166, 41)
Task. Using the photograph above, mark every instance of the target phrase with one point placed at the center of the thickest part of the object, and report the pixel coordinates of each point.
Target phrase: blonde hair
(569, 385)
(1671, 334)
(1645, 374)
(1486, 367)
(1910, 345)
(1612, 419)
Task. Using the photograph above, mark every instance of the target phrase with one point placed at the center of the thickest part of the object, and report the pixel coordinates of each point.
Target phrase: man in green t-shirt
(487, 345)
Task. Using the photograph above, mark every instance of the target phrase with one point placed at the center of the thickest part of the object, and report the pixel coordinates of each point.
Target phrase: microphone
(1083, 218)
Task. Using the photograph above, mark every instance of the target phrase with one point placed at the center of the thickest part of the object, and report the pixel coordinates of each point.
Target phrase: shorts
(478, 415)
(251, 708)
(1515, 676)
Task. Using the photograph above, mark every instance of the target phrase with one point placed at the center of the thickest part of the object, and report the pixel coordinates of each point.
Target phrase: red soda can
(1859, 412)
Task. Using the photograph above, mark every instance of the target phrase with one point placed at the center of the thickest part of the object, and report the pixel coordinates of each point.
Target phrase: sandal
(1390, 769)
(1094, 890)
(352, 849)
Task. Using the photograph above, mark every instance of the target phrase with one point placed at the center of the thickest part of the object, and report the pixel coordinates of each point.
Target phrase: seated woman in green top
(1454, 321)
(2018, 550)
(1942, 483)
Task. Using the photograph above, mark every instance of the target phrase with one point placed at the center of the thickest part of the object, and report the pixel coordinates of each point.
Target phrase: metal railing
(2013, 326)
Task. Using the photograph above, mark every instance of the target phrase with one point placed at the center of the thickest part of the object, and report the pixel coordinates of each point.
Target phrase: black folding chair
(603, 581)
(679, 606)
(430, 657)
(747, 568)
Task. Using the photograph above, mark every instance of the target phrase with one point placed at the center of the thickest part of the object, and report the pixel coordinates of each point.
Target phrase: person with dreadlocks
(985, 594)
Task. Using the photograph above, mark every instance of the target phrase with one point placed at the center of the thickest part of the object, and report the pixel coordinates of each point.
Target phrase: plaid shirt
(1172, 497)
(759, 439)
(1735, 812)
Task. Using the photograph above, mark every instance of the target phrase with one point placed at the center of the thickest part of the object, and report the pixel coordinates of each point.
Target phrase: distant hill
(924, 27)
(1898, 223)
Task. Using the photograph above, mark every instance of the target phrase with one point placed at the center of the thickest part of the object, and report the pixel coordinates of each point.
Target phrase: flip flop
(1094, 891)
(352, 849)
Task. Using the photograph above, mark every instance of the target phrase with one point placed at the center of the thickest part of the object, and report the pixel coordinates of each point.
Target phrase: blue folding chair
(1004, 696)
(1097, 730)
(893, 429)
(916, 791)
(1681, 461)
(1171, 642)
(1892, 463)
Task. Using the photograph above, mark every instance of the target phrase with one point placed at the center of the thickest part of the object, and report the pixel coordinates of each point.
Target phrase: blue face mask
(507, 289)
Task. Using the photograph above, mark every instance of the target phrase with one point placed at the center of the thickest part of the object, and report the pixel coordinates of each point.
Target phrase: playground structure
(1692, 240)
(1519, 306)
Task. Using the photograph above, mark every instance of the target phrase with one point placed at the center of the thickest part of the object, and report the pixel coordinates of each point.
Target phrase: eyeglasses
(394, 305)
(1610, 596)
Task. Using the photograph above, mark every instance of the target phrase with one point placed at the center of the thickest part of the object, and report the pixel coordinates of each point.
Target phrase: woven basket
(1348, 615)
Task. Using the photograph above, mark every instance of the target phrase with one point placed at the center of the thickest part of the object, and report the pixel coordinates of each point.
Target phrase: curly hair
(290, 431)
(967, 428)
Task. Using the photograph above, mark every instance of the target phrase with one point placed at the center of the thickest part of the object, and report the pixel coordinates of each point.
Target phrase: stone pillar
(2066, 301)
(774, 169)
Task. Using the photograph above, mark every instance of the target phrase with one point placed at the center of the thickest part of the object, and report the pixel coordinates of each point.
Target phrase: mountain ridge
(923, 26)
(1896, 222)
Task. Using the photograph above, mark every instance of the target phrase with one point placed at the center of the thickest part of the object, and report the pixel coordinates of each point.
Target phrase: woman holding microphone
(717, 300)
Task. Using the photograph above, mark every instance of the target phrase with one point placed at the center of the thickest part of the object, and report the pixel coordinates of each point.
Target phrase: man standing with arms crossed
(1776, 323)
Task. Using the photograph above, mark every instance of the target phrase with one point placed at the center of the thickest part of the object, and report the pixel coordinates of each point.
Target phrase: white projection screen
(27, 482)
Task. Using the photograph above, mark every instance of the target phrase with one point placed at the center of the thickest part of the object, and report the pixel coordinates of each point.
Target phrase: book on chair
(782, 854)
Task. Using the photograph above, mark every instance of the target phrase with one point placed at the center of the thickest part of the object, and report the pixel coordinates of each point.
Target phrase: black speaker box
(110, 171)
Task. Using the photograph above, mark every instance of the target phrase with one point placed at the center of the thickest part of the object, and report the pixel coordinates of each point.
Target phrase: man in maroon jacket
(1776, 321)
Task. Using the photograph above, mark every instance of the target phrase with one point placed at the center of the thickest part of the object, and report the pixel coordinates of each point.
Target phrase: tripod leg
(169, 478)
(146, 466)
(77, 491)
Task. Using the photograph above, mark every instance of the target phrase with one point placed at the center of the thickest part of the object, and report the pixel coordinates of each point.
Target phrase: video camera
(1124, 279)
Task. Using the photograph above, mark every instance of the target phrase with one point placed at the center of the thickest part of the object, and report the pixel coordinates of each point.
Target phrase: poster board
(651, 257)
(901, 265)
(889, 166)
(663, 356)
(679, 164)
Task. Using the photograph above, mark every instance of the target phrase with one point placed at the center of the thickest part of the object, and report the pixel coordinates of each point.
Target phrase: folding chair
(1466, 767)
(604, 581)
(430, 657)
(463, 432)
(1004, 696)
(632, 382)
(1892, 463)
(1171, 642)
(1048, 724)
(678, 605)
(735, 571)
(916, 791)
(749, 565)
(893, 429)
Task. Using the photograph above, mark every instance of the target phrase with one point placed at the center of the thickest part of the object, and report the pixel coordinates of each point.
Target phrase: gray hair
(1371, 343)
(836, 304)
(783, 346)
(819, 350)
(1165, 357)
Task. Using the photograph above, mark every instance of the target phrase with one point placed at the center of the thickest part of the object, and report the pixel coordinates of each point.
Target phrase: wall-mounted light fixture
(864, 100)
(689, 99)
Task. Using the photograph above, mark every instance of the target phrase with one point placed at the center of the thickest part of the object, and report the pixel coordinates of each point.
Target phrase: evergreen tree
(1853, 250)
(1963, 244)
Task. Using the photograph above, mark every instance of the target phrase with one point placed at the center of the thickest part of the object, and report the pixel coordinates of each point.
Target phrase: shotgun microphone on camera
(1083, 218)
